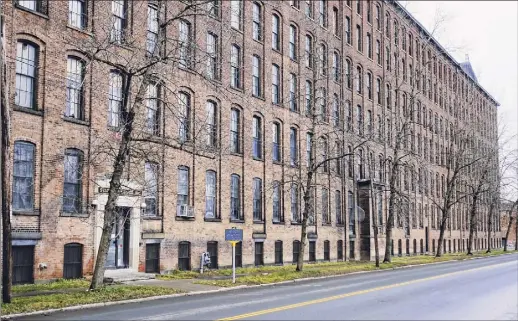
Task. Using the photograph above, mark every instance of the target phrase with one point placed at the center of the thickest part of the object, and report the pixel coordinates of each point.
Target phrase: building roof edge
(444, 51)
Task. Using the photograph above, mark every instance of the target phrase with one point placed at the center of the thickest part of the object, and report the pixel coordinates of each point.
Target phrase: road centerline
(345, 295)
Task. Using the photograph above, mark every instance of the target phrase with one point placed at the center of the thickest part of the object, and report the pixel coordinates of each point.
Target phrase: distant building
(268, 62)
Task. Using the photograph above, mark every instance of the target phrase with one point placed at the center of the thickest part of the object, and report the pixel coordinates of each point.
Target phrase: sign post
(233, 236)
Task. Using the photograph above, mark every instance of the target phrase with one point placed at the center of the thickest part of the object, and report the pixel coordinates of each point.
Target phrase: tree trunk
(114, 189)
(490, 225)
(303, 235)
(376, 245)
(6, 205)
(509, 226)
(441, 234)
(305, 215)
(390, 225)
(472, 224)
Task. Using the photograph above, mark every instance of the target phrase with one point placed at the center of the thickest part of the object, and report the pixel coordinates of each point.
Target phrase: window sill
(238, 89)
(296, 223)
(340, 225)
(259, 97)
(277, 162)
(188, 69)
(78, 215)
(28, 110)
(326, 224)
(278, 51)
(212, 219)
(236, 221)
(114, 128)
(236, 154)
(295, 60)
(76, 121)
(88, 33)
(258, 222)
(181, 218)
(237, 30)
(278, 222)
(259, 41)
(34, 212)
(42, 15)
(152, 218)
(259, 159)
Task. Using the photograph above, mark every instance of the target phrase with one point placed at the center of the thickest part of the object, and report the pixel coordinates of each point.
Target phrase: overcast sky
(488, 32)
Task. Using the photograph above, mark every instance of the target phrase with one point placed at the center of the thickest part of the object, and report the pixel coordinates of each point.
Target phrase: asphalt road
(482, 289)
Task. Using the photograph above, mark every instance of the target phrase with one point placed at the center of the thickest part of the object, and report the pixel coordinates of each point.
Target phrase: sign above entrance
(235, 235)
(124, 192)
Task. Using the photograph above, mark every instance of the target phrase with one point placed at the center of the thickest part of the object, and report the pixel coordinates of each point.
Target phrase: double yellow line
(341, 296)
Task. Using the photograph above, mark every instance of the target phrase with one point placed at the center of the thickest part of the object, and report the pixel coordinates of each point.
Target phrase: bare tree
(138, 68)
(510, 224)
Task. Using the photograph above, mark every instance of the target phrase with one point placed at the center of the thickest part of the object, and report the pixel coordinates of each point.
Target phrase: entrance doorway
(118, 252)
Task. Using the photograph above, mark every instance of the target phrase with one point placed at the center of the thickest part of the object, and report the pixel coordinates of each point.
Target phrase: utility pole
(5, 229)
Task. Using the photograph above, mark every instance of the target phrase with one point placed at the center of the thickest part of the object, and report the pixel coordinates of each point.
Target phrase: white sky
(488, 32)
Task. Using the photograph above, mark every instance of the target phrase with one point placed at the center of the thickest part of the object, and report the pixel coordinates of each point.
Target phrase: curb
(168, 296)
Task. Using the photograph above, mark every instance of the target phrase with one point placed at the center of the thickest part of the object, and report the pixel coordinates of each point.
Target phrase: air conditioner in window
(185, 210)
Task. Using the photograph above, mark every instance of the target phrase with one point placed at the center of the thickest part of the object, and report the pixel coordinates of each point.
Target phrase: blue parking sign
(233, 235)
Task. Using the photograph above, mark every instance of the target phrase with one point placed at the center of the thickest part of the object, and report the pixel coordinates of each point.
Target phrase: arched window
(309, 97)
(348, 73)
(184, 113)
(293, 42)
(322, 53)
(378, 91)
(235, 197)
(26, 74)
(276, 84)
(153, 109)
(211, 195)
(309, 51)
(336, 66)
(369, 45)
(348, 30)
(211, 123)
(359, 79)
(74, 86)
(72, 181)
(115, 99)
(293, 146)
(257, 20)
(257, 137)
(256, 76)
(276, 142)
(23, 176)
(276, 32)
(336, 111)
(359, 45)
(369, 85)
(257, 199)
(235, 131)
(378, 52)
(277, 201)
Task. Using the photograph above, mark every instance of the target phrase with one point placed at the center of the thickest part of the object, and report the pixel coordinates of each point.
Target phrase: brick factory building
(238, 64)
